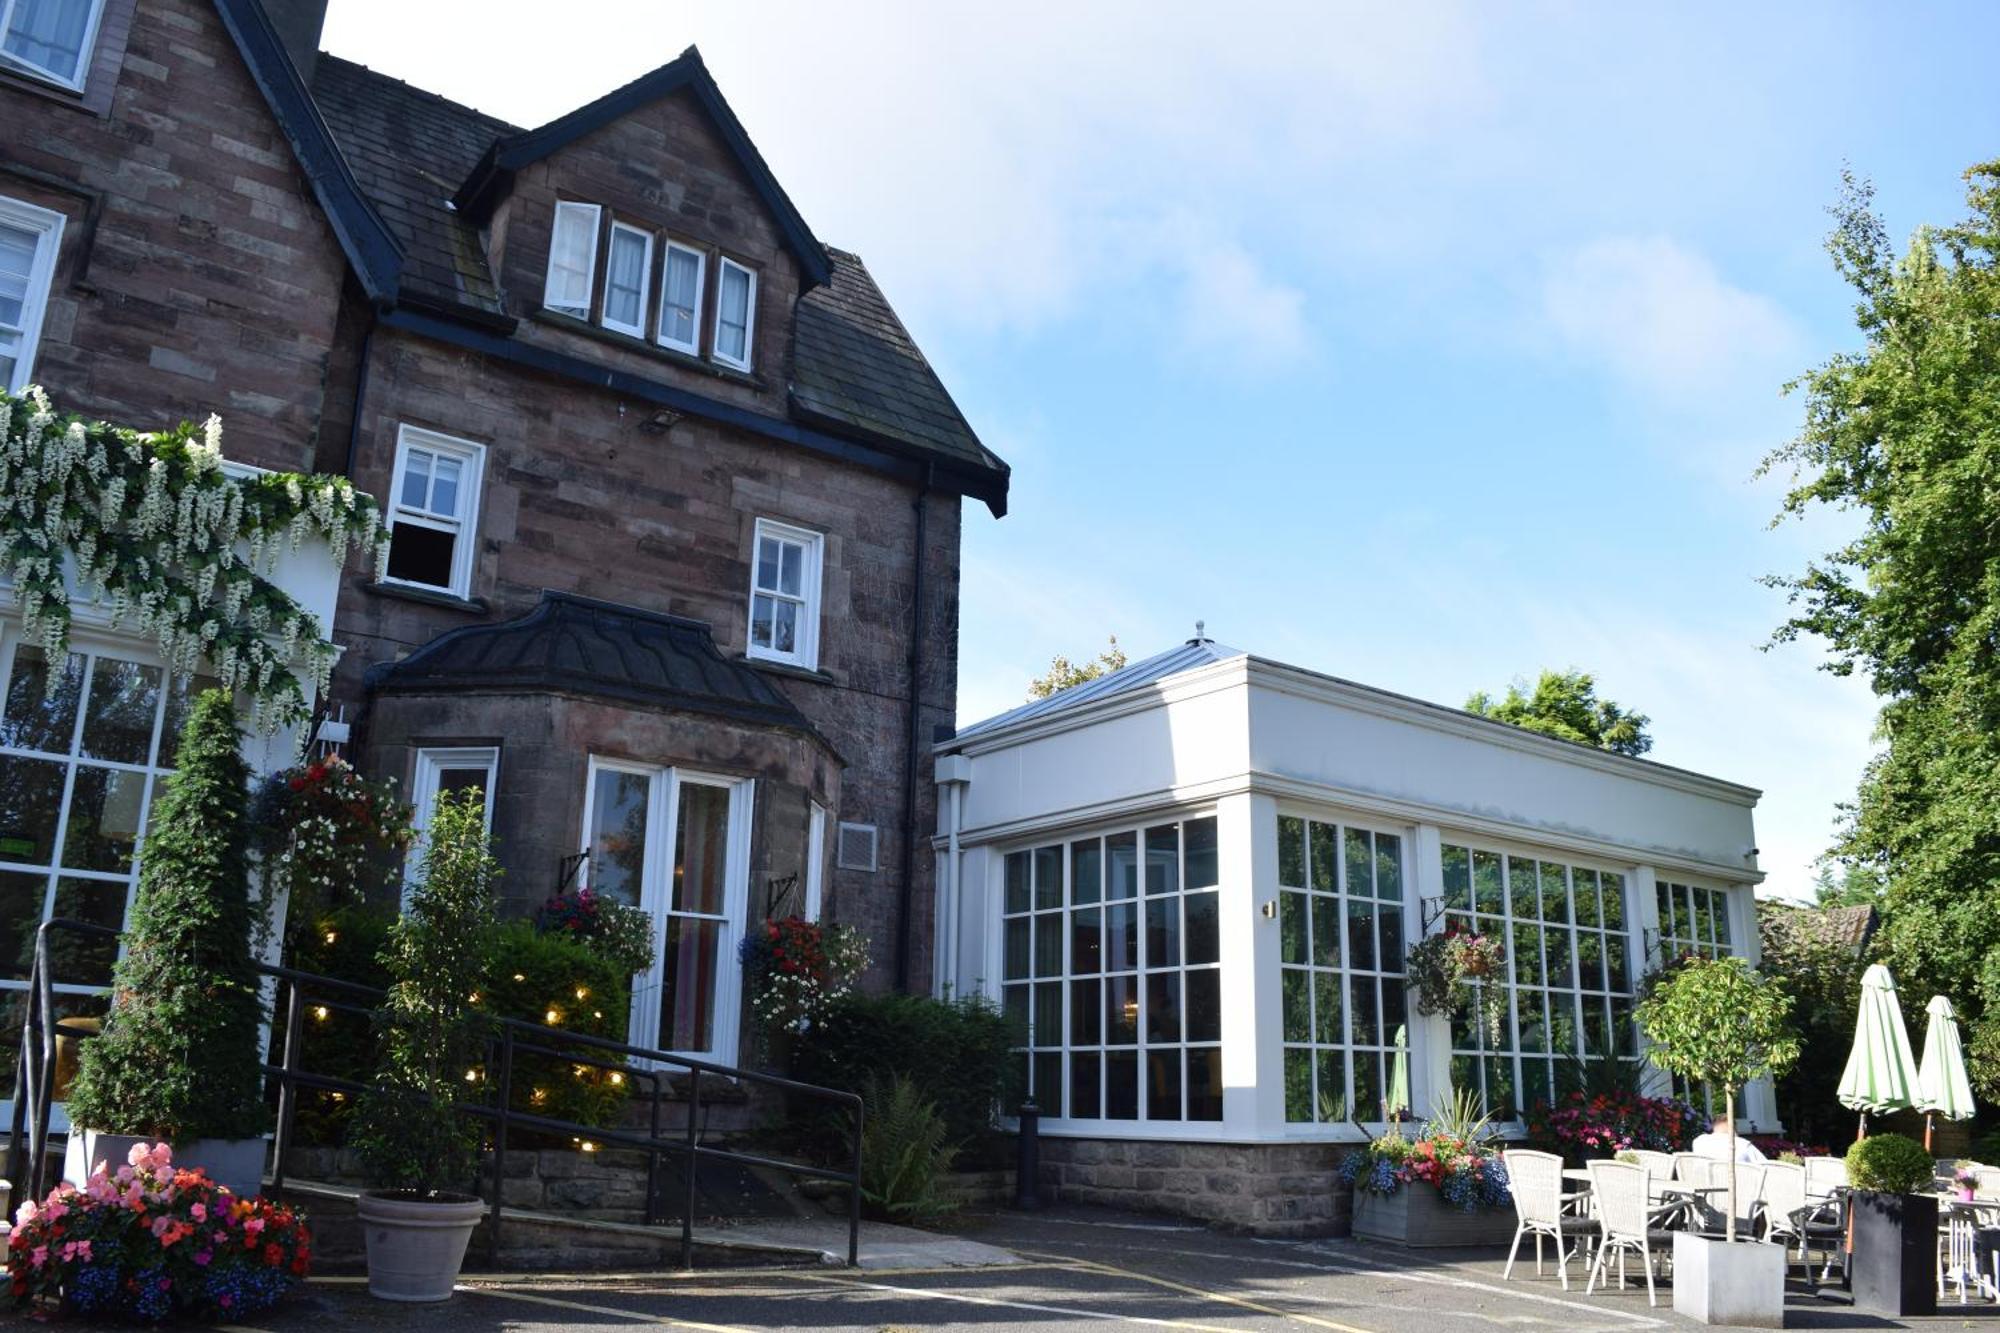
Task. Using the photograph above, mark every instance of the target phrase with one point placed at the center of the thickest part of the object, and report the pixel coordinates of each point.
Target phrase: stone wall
(1267, 1189)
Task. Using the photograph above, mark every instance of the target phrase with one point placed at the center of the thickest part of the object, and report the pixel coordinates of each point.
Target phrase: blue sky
(1422, 345)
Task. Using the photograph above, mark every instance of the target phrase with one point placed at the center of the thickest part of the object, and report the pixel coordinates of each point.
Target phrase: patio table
(1964, 1219)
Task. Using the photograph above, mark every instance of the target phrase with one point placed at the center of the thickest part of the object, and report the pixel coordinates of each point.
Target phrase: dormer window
(51, 39)
(680, 299)
(572, 259)
(628, 274)
(735, 314)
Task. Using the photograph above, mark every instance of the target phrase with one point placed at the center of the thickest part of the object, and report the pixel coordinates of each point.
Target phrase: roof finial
(1200, 632)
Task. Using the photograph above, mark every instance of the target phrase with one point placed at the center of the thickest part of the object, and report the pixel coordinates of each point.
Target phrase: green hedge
(957, 1053)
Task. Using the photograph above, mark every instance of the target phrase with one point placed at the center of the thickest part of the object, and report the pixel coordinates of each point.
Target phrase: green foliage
(1459, 1117)
(433, 1028)
(149, 522)
(330, 838)
(1063, 673)
(178, 1057)
(958, 1053)
(905, 1151)
(1822, 971)
(1564, 704)
(562, 983)
(1905, 433)
(1890, 1163)
(346, 943)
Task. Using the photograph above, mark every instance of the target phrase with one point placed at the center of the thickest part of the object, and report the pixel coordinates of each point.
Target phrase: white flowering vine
(148, 525)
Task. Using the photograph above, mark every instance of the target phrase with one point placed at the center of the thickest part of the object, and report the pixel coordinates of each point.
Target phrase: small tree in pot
(178, 1057)
(417, 1150)
(1717, 1021)
(1895, 1225)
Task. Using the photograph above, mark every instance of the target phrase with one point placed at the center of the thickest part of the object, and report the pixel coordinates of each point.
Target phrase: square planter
(1719, 1282)
(235, 1164)
(1418, 1216)
(1894, 1264)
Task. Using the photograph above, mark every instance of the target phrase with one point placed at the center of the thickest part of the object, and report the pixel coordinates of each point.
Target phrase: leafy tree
(1822, 970)
(1717, 1021)
(1565, 705)
(407, 1128)
(1063, 673)
(1847, 886)
(178, 1057)
(1905, 432)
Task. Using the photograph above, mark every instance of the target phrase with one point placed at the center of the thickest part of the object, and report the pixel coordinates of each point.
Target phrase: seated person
(1715, 1144)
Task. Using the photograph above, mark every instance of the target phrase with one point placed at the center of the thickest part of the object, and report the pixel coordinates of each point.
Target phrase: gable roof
(493, 175)
(580, 645)
(1190, 656)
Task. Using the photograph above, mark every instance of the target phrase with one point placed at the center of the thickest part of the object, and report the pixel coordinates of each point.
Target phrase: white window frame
(805, 654)
(725, 265)
(85, 56)
(656, 889)
(693, 344)
(41, 278)
(638, 329)
(573, 209)
(472, 475)
(816, 822)
(431, 763)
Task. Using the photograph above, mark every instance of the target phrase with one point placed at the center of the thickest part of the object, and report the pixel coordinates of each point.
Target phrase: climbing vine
(150, 526)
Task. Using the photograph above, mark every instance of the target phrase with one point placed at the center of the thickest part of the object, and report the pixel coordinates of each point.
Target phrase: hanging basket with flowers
(1445, 970)
(794, 969)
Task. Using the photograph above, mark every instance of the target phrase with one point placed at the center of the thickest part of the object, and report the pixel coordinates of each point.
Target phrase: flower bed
(1466, 1173)
(1582, 1125)
(149, 1242)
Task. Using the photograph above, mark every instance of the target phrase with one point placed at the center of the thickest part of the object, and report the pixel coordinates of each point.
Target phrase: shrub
(959, 1054)
(560, 982)
(433, 1028)
(1891, 1164)
(178, 1058)
(618, 932)
(147, 1242)
(346, 943)
(905, 1150)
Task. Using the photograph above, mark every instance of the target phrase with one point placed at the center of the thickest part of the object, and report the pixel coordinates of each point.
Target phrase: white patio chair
(1824, 1175)
(1783, 1201)
(1986, 1182)
(1620, 1189)
(1536, 1182)
(1692, 1169)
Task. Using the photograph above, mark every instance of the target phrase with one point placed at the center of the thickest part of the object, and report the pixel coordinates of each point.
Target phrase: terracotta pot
(416, 1242)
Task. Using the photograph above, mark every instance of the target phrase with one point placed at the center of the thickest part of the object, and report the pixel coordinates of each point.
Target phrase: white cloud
(1659, 316)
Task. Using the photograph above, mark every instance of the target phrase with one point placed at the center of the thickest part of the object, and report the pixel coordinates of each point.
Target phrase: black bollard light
(1028, 1159)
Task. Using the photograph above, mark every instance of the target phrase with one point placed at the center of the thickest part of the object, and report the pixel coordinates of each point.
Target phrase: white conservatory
(1196, 878)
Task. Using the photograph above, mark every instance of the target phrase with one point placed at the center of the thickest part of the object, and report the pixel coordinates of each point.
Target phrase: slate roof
(1190, 656)
(580, 645)
(409, 149)
(855, 365)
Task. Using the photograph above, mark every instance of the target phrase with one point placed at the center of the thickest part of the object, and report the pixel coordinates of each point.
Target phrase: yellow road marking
(1222, 1297)
(614, 1311)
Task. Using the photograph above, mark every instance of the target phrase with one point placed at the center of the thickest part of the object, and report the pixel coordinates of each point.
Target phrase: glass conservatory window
(1569, 975)
(1112, 963)
(1340, 922)
(1693, 920)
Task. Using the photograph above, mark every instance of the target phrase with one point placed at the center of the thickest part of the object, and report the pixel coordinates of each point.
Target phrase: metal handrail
(34, 1086)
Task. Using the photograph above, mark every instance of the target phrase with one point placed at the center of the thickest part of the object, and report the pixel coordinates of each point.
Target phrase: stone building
(674, 499)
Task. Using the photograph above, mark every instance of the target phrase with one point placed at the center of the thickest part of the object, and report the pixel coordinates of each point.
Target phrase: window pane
(625, 279)
(1086, 863)
(1298, 1086)
(1486, 883)
(1086, 1013)
(1388, 867)
(1121, 936)
(1203, 943)
(1163, 933)
(1121, 852)
(1121, 1011)
(1457, 879)
(1332, 1098)
(419, 554)
(1048, 1014)
(1163, 1085)
(21, 897)
(1522, 895)
(1721, 907)
(768, 560)
(416, 492)
(49, 35)
(1292, 927)
(1326, 931)
(1589, 960)
(1360, 934)
(1048, 944)
(1048, 877)
(1163, 1008)
(732, 315)
(1326, 1008)
(1204, 1005)
(1121, 1086)
(1555, 893)
(1325, 854)
(1163, 859)
(30, 795)
(1015, 948)
(1086, 941)
(1584, 883)
(41, 712)
(701, 849)
(687, 1004)
(1086, 1078)
(1390, 921)
(1204, 1084)
(1017, 882)
(618, 835)
(1395, 1007)
(444, 486)
(1360, 864)
(118, 719)
(1202, 870)
(1049, 1083)
(1296, 986)
(1614, 901)
(572, 252)
(75, 959)
(1291, 852)
(104, 810)
(1556, 950)
(1527, 951)
(683, 279)
(792, 569)
(1362, 1017)
(1367, 1085)
(785, 627)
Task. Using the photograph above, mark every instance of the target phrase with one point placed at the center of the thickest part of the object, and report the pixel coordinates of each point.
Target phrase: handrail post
(288, 1097)
(24, 1062)
(854, 1191)
(653, 1154)
(687, 1201)
(503, 1109)
(45, 1077)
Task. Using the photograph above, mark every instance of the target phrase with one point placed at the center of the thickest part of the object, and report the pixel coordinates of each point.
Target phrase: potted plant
(1446, 1187)
(794, 971)
(1895, 1225)
(1717, 1021)
(178, 1057)
(417, 1151)
(1439, 968)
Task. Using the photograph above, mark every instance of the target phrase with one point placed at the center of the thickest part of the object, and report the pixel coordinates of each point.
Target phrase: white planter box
(1717, 1282)
(235, 1164)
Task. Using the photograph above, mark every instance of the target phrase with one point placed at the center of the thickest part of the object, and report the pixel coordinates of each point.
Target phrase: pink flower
(39, 1256)
(199, 1212)
(201, 1257)
(26, 1214)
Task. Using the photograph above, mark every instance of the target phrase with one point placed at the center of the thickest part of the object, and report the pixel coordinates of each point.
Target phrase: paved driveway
(1082, 1270)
